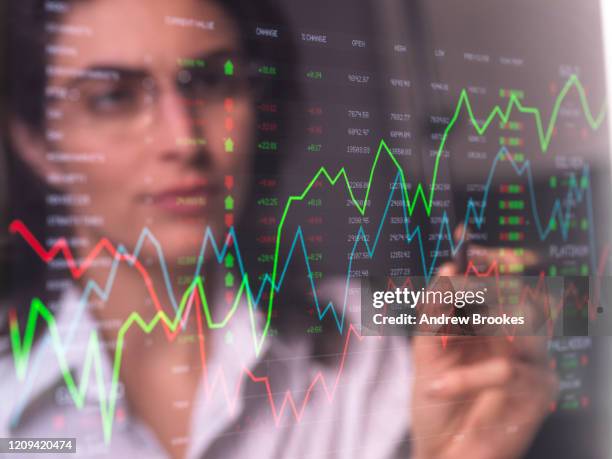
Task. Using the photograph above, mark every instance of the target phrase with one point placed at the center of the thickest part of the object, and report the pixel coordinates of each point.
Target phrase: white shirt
(283, 403)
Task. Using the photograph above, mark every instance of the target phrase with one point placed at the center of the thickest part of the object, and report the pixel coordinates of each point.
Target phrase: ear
(30, 146)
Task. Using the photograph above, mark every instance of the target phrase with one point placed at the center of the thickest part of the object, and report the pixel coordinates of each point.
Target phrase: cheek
(106, 157)
(103, 156)
(101, 172)
(230, 136)
(239, 162)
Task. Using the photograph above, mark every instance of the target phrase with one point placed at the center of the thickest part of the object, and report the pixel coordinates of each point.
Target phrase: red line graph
(219, 381)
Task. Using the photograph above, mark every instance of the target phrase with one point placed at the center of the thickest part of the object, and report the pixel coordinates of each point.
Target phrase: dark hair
(23, 92)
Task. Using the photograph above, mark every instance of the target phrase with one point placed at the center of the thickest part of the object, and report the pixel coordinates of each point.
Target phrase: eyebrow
(118, 73)
(218, 55)
(105, 73)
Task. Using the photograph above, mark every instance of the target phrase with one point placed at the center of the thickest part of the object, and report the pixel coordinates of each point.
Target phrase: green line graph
(544, 138)
(22, 345)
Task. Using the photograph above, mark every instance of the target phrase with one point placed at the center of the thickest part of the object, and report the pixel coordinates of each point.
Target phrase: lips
(190, 200)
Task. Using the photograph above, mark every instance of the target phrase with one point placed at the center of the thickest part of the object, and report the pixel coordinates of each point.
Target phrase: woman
(149, 121)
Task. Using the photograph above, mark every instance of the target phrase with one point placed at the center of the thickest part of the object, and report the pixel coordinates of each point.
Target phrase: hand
(479, 397)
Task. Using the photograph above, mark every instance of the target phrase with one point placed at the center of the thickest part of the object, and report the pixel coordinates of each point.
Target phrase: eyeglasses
(126, 102)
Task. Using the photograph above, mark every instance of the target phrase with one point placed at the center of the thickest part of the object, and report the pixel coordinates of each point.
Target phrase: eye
(114, 100)
(207, 79)
(215, 84)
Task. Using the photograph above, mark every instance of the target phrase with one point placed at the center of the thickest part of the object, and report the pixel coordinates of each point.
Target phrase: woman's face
(144, 126)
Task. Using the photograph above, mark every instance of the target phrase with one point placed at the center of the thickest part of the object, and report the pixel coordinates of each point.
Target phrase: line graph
(544, 137)
(108, 399)
(560, 212)
(551, 307)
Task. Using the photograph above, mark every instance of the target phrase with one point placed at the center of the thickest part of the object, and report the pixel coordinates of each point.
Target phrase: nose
(177, 134)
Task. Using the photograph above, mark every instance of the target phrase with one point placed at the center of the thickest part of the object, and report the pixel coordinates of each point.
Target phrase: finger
(497, 373)
(472, 378)
(440, 282)
(531, 349)
(480, 254)
(448, 269)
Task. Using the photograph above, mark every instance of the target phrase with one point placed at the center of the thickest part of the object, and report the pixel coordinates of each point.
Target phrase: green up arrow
(229, 203)
(229, 261)
(229, 145)
(228, 67)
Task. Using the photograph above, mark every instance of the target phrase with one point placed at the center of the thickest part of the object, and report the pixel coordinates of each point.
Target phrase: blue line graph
(561, 212)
